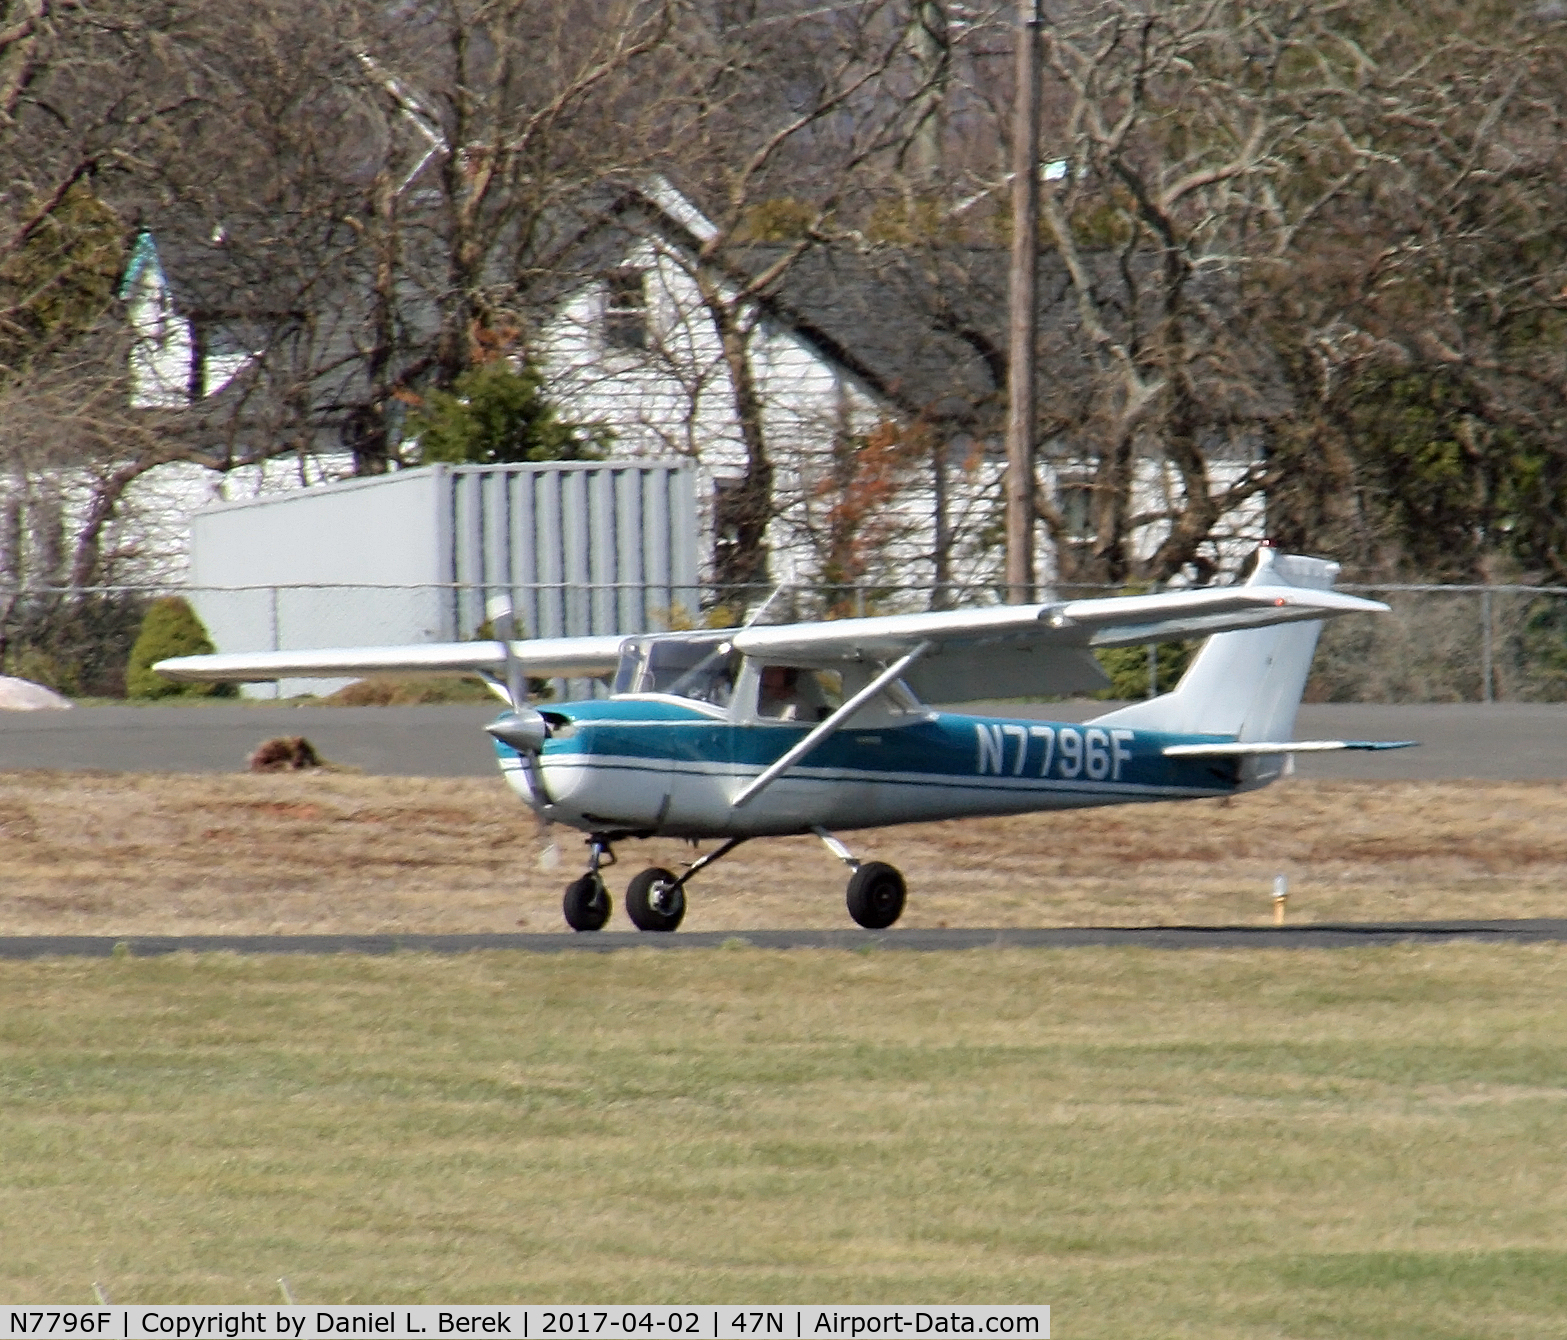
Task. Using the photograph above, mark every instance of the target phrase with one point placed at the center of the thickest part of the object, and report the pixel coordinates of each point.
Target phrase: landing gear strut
(656, 899)
(587, 903)
(876, 890)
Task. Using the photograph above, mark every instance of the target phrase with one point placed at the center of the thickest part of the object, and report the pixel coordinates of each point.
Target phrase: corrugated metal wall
(583, 548)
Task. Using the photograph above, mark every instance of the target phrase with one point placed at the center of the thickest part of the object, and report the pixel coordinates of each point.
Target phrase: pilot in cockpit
(790, 694)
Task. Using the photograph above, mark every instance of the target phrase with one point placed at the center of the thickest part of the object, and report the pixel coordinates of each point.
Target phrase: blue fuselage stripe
(1048, 759)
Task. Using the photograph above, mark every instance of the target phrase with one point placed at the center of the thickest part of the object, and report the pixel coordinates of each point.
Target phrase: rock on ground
(22, 695)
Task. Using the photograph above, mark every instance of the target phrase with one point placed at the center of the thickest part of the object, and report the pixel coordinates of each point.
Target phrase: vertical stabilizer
(1247, 684)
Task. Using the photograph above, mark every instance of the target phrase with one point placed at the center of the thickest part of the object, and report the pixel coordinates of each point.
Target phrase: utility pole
(930, 44)
(1023, 306)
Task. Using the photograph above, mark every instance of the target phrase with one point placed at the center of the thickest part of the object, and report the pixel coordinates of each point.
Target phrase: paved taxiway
(1328, 935)
(1488, 741)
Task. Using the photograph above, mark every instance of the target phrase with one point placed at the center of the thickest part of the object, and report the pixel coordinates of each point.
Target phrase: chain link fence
(1438, 644)
(1448, 644)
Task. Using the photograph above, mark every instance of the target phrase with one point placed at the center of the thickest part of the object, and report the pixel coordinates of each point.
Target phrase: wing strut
(833, 723)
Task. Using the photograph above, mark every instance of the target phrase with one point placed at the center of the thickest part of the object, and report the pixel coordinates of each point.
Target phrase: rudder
(1246, 685)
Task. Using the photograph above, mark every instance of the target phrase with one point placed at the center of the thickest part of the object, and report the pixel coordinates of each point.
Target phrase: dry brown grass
(86, 853)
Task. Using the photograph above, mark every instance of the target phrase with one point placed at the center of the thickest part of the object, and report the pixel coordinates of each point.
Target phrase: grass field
(1355, 1143)
(1360, 1143)
(116, 854)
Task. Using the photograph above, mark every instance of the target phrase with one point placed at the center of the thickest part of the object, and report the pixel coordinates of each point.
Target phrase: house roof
(923, 330)
(240, 304)
(891, 333)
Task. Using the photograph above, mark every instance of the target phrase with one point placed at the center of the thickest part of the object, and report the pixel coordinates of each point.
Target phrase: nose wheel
(587, 904)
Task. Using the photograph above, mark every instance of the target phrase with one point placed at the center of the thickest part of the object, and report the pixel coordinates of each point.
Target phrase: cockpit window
(788, 693)
(700, 668)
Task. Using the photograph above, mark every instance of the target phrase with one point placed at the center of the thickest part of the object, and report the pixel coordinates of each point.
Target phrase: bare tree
(91, 97)
(88, 99)
(1199, 142)
(373, 196)
(1423, 327)
(777, 119)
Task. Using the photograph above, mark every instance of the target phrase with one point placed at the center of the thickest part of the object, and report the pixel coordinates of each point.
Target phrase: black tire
(586, 904)
(649, 912)
(876, 894)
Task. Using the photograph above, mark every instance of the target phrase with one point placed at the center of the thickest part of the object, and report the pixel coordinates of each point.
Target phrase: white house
(880, 390)
(183, 355)
(844, 355)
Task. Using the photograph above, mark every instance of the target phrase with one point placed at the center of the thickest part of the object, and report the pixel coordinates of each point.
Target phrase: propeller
(523, 728)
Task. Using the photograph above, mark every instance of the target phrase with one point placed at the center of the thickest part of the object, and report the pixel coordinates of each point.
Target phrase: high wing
(540, 658)
(1001, 652)
(1016, 650)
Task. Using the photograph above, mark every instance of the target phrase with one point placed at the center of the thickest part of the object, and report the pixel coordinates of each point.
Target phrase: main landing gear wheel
(654, 902)
(876, 894)
(586, 903)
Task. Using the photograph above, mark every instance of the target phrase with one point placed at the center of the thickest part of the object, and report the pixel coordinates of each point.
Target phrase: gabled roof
(923, 330)
(879, 332)
(235, 309)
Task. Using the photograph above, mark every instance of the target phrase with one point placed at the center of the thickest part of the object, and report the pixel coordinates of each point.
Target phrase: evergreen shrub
(170, 628)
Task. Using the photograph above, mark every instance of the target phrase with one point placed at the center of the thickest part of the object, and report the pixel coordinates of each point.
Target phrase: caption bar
(428, 1322)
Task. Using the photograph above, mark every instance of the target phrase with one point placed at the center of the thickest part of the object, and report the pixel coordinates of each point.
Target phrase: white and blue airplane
(820, 728)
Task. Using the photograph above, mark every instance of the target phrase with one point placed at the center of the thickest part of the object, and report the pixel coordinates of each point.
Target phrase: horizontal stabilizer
(1234, 749)
(540, 658)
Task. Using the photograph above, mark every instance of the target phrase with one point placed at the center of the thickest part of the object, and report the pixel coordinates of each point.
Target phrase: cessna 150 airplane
(807, 728)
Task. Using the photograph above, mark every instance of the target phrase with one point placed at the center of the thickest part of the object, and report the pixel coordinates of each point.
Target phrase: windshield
(699, 668)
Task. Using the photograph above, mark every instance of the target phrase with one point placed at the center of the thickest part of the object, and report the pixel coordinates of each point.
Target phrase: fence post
(277, 628)
(1487, 670)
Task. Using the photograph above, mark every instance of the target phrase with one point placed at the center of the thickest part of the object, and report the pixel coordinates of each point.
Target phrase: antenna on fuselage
(766, 604)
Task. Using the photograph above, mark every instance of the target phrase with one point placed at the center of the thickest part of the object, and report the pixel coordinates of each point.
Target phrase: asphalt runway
(1484, 741)
(384, 741)
(1323, 936)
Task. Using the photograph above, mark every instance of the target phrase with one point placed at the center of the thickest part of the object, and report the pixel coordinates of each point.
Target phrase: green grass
(1361, 1143)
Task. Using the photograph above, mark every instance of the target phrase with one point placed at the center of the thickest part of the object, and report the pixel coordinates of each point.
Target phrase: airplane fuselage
(653, 764)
